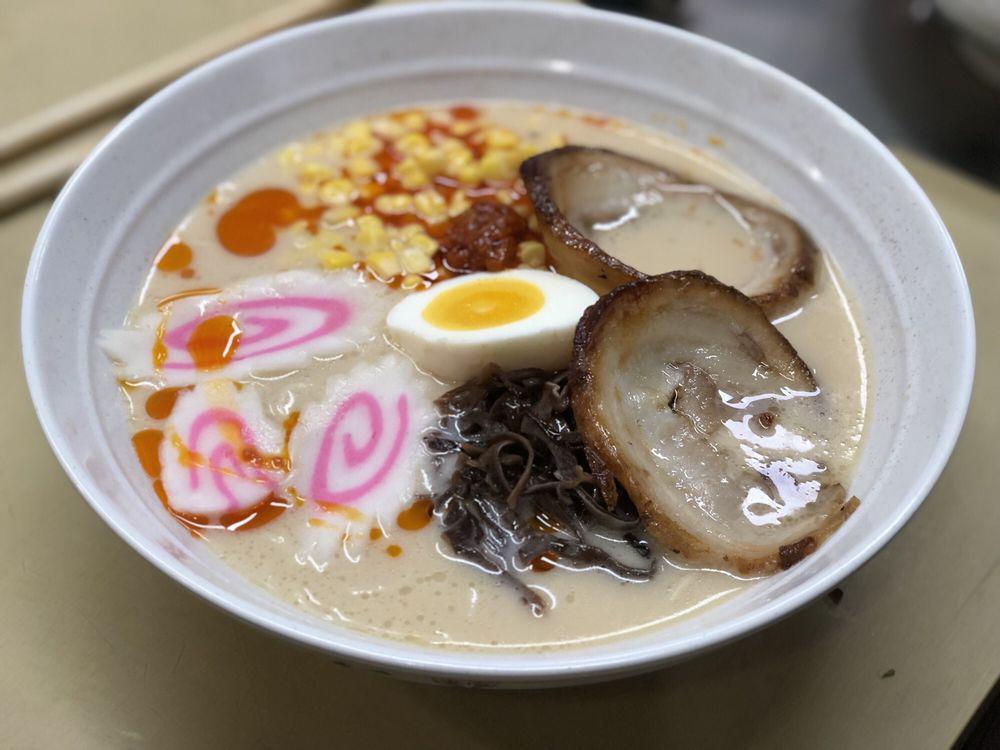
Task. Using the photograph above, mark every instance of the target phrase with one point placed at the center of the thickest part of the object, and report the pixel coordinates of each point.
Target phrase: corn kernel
(337, 191)
(368, 221)
(290, 155)
(335, 145)
(311, 177)
(469, 174)
(498, 165)
(414, 120)
(411, 175)
(533, 223)
(338, 215)
(527, 150)
(412, 142)
(463, 127)
(384, 264)
(357, 129)
(361, 166)
(424, 243)
(371, 233)
(370, 190)
(415, 261)
(329, 238)
(386, 127)
(412, 281)
(336, 259)
(410, 230)
(507, 197)
(555, 140)
(431, 160)
(452, 145)
(429, 203)
(459, 203)
(394, 203)
(360, 146)
(358, 138)
(531, 253)
(314, 148)
(500, 138)
(414, 180)
(315, 171)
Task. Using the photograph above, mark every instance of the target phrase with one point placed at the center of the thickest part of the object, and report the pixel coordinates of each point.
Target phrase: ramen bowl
(860, 204)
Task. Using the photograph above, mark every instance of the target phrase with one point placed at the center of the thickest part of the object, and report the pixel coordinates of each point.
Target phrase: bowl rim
(571, 665)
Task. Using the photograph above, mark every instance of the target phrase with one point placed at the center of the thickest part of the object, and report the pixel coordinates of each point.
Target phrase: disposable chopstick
(121, 92)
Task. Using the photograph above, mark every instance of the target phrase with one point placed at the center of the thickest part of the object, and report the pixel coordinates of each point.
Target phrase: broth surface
(406, 584)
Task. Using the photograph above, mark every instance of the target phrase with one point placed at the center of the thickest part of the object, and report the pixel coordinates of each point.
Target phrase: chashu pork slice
(706, 415)
(577, 188)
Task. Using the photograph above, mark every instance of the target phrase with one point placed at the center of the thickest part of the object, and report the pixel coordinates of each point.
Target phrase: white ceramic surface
(856, 199)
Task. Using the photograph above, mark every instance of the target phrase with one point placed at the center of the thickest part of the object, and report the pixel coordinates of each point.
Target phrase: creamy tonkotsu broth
(681, 232)
(359, 211)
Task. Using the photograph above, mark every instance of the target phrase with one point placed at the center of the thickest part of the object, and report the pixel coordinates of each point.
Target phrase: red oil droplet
(147, 448)
(250, 226)
(175, 257)
(544, 562)
(214, 341)
(161, 403)
(416, 516)
(251, 518)
(464, 112)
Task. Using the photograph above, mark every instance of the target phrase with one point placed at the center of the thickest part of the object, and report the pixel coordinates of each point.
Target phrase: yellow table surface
(98, 649)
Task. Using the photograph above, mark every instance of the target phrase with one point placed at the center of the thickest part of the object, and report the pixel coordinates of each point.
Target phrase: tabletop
(98, 649)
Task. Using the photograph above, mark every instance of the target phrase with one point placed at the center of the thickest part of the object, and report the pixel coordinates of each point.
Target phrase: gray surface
(892, 64)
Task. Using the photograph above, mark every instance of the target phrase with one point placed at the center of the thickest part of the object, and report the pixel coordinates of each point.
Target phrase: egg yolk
(486, 303)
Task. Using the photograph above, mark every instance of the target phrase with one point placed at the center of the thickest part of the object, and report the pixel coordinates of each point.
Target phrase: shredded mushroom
(526, 493)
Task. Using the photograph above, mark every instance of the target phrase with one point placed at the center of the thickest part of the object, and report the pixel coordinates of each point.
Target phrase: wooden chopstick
(42, 173)
(34, 166)
(125, 90)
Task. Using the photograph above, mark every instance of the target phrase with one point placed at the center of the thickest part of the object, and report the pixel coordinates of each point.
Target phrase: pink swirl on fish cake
(225, 464)
(276, 323)
(358, 469)
(221, 454)
(357, 455)
(261, 322)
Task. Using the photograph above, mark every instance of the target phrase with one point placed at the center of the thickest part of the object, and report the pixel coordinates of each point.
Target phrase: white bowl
(857, 200)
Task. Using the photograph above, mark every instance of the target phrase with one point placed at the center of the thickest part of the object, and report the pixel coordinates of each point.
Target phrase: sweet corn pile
(392, 183)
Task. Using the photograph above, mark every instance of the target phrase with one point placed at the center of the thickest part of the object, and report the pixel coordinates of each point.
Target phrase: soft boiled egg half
(519, 318)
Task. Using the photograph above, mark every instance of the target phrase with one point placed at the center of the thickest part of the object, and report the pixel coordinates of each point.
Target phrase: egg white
(543, 339)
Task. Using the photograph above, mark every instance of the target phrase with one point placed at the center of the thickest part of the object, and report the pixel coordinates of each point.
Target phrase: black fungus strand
(525, 487)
